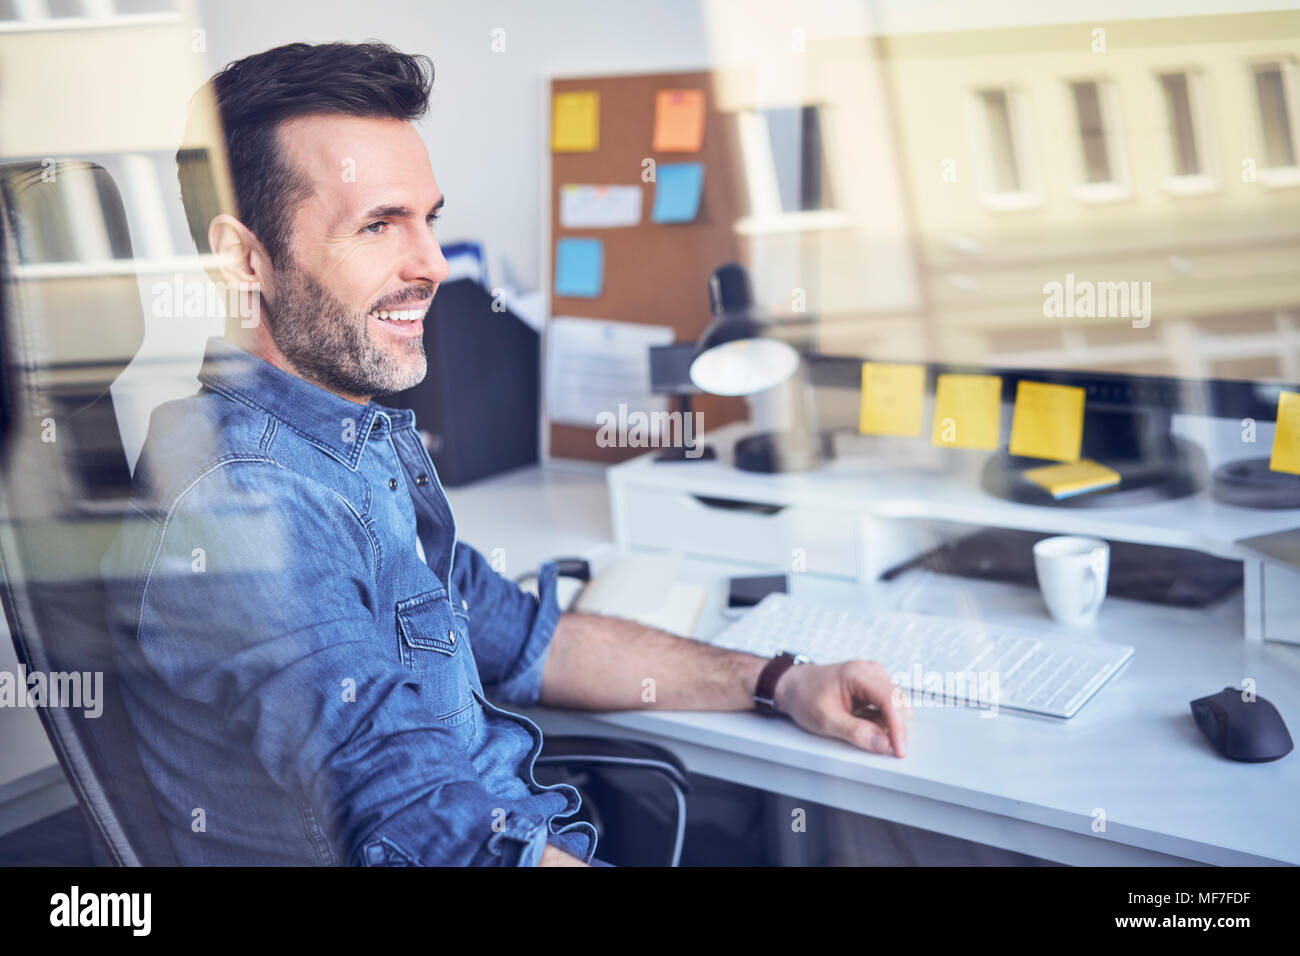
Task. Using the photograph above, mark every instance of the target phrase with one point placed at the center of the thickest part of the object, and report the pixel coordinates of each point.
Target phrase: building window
(1002, 143)
(794, 135)
(1275, 101)
(788, 170)
(1101, 151)
(1092, 133)
(1001, 126)
(1189, 163)
(1182, 128)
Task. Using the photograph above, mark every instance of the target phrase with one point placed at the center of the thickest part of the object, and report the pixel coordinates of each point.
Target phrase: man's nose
(427, 264)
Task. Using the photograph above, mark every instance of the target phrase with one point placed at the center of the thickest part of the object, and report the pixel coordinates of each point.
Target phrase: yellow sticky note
(1048, 421)
(967, 411)
(1286, 440)
(891, 399)
(1075, 478)
(679, 121)
(575, 122)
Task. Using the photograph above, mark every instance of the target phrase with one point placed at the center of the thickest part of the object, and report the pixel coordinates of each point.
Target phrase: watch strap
(765, 691)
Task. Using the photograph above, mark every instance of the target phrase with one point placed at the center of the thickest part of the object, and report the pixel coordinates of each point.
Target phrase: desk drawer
(754, 532)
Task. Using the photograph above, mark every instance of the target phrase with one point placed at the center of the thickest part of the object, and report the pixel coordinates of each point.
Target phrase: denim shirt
(303, 686)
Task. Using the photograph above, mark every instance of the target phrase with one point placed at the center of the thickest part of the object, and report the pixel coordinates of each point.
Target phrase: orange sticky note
(679, 121)
(1048, 421)
(891, 399)
(967, 411)
(575, 122)
(1286, 440)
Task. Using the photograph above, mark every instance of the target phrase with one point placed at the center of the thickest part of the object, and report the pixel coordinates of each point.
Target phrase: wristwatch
(765, 692)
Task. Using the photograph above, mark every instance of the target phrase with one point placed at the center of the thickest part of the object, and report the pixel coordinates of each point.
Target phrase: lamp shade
(733, 358)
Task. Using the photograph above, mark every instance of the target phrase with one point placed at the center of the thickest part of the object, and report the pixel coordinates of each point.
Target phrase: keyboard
(938, 660)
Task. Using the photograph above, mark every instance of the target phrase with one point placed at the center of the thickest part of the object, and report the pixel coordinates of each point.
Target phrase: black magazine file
(478, 405)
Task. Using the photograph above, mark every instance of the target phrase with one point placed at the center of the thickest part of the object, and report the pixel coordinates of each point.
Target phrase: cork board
(654, 273)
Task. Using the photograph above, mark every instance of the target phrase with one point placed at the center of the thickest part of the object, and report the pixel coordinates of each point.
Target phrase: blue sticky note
(579, 267)
(677, 192)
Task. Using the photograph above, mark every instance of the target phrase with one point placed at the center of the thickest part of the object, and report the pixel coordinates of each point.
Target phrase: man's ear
(240, 256)
(245, 268)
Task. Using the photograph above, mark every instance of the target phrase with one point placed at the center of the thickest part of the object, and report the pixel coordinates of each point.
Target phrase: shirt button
(392, 484)
(451, 636)
(421, 479)
(464, 605)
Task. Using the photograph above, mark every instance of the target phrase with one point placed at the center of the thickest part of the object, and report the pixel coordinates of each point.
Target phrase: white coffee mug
(1072, 574)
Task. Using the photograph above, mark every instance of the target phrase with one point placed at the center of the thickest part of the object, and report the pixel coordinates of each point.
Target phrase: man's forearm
(602, 663)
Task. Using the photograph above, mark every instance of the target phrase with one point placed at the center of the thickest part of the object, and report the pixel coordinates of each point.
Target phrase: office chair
(66, 485)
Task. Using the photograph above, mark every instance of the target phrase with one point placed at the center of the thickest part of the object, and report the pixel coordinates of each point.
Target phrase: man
(309, 651)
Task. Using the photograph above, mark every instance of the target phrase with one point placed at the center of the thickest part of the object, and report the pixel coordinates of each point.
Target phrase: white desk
(1028, 784)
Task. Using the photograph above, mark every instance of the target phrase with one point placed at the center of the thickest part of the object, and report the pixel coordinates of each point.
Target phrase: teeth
(398, 315)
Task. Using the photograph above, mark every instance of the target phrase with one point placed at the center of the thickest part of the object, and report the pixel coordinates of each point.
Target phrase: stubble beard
(331, 346)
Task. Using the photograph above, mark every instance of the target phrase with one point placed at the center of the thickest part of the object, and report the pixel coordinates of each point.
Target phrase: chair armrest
(593, 751)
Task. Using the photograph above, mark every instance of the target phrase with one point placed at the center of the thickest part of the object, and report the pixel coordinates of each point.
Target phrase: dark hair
(254, 95)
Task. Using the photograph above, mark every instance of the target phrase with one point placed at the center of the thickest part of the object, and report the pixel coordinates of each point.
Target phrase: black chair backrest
(72, 322)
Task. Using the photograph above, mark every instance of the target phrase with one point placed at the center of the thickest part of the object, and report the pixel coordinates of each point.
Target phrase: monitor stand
(1154, 464)
(1250, 483)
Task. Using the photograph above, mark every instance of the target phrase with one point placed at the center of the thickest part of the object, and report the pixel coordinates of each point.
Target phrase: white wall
(484, 129)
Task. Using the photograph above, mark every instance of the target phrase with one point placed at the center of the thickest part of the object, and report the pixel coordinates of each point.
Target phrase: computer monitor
(1112, 205)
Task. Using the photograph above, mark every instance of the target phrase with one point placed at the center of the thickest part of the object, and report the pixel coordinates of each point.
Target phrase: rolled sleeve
(520, 840)
(510, 629)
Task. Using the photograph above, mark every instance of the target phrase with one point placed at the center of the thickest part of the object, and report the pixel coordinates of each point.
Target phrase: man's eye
(434, 218)
(371, 228)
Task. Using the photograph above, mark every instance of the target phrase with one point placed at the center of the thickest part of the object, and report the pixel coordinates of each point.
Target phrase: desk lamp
(735, 356)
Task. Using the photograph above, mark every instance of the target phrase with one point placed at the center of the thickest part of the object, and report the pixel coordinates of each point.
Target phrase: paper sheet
(1048, 421)
(575, 122)
(677, 192)
(1073, 478)
(599, 207)
(1286, 440)
(967, 411)
(679, 121)
(579, 268)
(593, 366)
(891, 399)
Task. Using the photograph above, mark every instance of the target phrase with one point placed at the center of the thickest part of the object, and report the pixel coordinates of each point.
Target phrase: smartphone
(744, 592)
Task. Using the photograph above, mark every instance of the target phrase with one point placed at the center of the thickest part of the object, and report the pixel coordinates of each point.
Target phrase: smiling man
(316, 669)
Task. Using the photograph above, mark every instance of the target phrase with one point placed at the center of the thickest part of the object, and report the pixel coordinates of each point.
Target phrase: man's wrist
(552, 855)
(771, 677)
(781, 692)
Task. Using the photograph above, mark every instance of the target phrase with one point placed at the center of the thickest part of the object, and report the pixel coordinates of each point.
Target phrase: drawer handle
(731, 504)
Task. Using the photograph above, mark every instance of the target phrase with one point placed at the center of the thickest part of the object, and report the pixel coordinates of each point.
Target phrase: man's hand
(854, 701)
(554, 856)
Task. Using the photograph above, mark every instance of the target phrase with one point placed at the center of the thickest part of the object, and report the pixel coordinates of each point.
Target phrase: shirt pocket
(432, 642)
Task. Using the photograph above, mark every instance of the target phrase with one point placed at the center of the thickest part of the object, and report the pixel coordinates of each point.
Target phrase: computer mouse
(1249, 730)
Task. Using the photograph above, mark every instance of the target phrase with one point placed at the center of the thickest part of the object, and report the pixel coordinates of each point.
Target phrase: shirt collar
(336, 426)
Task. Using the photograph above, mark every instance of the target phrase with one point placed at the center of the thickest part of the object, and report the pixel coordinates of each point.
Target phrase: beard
(331, 345)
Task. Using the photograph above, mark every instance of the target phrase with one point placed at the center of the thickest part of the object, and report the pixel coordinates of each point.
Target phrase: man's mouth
(398, 315)
(403, 323)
